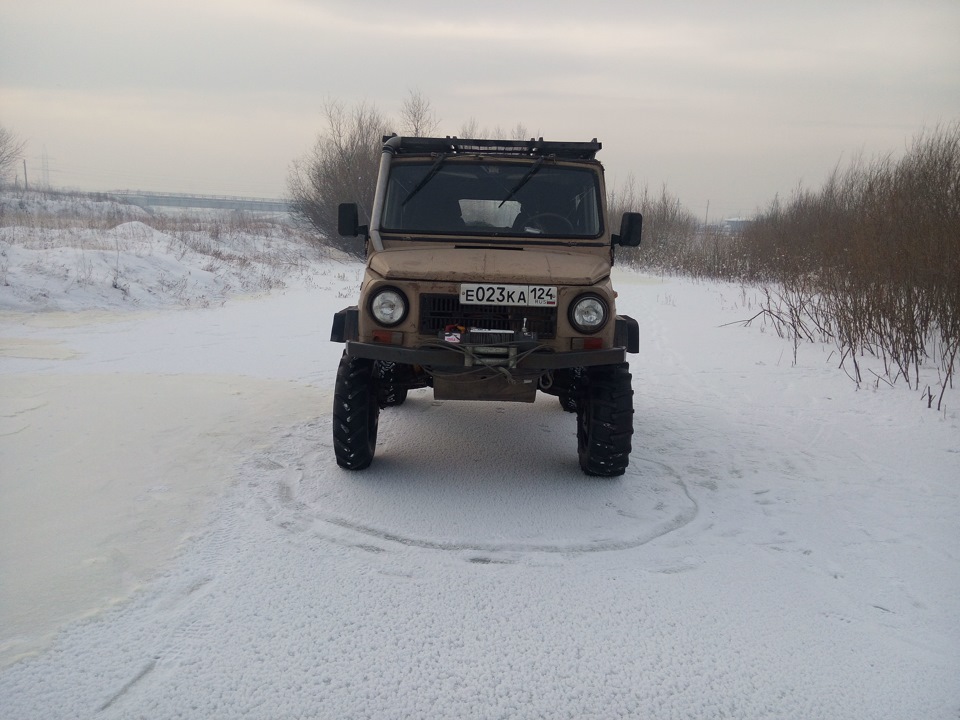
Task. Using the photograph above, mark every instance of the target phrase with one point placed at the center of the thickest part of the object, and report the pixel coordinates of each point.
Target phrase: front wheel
(391, 392)
(605, 420)
(569, 397)
(356, 413)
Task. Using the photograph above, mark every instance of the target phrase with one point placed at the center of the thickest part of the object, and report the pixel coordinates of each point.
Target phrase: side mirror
(348, 220)
(631, 227)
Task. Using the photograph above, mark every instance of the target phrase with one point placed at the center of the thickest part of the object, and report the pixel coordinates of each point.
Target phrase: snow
(177, 540)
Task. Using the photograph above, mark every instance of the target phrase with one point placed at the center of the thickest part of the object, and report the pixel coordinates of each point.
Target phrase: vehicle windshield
(452, 196)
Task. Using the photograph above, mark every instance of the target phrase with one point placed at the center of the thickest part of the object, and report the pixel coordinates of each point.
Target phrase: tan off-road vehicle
(488, 278)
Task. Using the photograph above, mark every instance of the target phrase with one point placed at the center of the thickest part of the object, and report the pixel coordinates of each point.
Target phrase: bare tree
(341, 167)
(417, 116)
(519, 132)
(669, 229)
(11, 150)
(626, 197)
(471, 129)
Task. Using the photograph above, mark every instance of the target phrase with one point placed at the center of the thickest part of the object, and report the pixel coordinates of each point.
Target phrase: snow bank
(78, 254)
(67, 207)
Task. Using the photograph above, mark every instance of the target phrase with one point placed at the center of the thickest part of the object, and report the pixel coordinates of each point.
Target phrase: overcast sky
(727, 103)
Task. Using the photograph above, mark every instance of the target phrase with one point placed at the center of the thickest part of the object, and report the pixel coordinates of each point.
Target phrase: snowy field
(177, 540)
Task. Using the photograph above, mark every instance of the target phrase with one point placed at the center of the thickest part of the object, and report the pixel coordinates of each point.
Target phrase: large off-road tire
(569, 398)
(568, 402)
(356, 413)
(390, 391)
(605, 420)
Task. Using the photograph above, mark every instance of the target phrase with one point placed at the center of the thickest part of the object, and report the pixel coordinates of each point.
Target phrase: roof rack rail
(534, 147)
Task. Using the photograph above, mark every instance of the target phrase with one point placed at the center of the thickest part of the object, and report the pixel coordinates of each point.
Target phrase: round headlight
(588, 314)
(388, 307)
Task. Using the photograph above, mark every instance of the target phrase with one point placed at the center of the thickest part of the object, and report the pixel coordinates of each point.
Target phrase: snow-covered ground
(177, 540)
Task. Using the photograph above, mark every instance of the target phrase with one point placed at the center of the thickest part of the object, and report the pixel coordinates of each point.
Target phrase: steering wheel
(553, 218)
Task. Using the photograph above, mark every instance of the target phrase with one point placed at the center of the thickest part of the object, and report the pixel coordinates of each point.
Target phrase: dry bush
(671, 235)
(417, 116)
(341, 167)
(63, 210)
(870, 262)
(11, 150)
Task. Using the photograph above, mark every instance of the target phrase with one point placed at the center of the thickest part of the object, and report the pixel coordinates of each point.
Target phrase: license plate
(518, 295)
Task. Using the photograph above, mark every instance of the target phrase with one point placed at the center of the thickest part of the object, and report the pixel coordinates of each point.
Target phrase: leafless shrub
(84, 270)
(11, 150)
(671, 238)
(341, 167)
(870, 262)
(417, 116)
(471, 129)
(65, 210)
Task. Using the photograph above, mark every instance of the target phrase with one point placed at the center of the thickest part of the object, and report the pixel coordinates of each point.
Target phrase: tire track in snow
(300, 489)
(144, 671)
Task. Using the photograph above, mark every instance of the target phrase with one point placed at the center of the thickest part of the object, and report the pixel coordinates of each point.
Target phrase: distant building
(734, 226)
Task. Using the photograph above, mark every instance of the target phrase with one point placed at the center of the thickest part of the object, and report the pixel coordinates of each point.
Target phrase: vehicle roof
(534, 147)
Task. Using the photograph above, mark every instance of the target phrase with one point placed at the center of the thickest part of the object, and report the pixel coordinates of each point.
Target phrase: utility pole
(25, 185)
(45, 170)
(706, 215)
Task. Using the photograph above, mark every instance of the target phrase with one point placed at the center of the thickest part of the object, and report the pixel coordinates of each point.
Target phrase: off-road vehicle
(488, 278)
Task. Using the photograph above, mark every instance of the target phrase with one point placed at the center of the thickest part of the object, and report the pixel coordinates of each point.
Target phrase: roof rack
(534, 147)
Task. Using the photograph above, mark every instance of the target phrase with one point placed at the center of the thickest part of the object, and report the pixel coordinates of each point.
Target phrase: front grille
(439, 311)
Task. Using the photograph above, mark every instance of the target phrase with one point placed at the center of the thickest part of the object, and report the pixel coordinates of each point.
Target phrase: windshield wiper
(434, 169)
(523, 181)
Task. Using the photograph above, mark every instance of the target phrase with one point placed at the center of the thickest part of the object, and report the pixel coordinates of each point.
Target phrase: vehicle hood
(490, 265)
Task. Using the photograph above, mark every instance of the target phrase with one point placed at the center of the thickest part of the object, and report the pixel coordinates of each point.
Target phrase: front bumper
(443, 355)
(456, 356)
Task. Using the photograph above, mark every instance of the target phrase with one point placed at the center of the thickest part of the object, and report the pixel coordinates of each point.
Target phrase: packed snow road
(179, 542)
